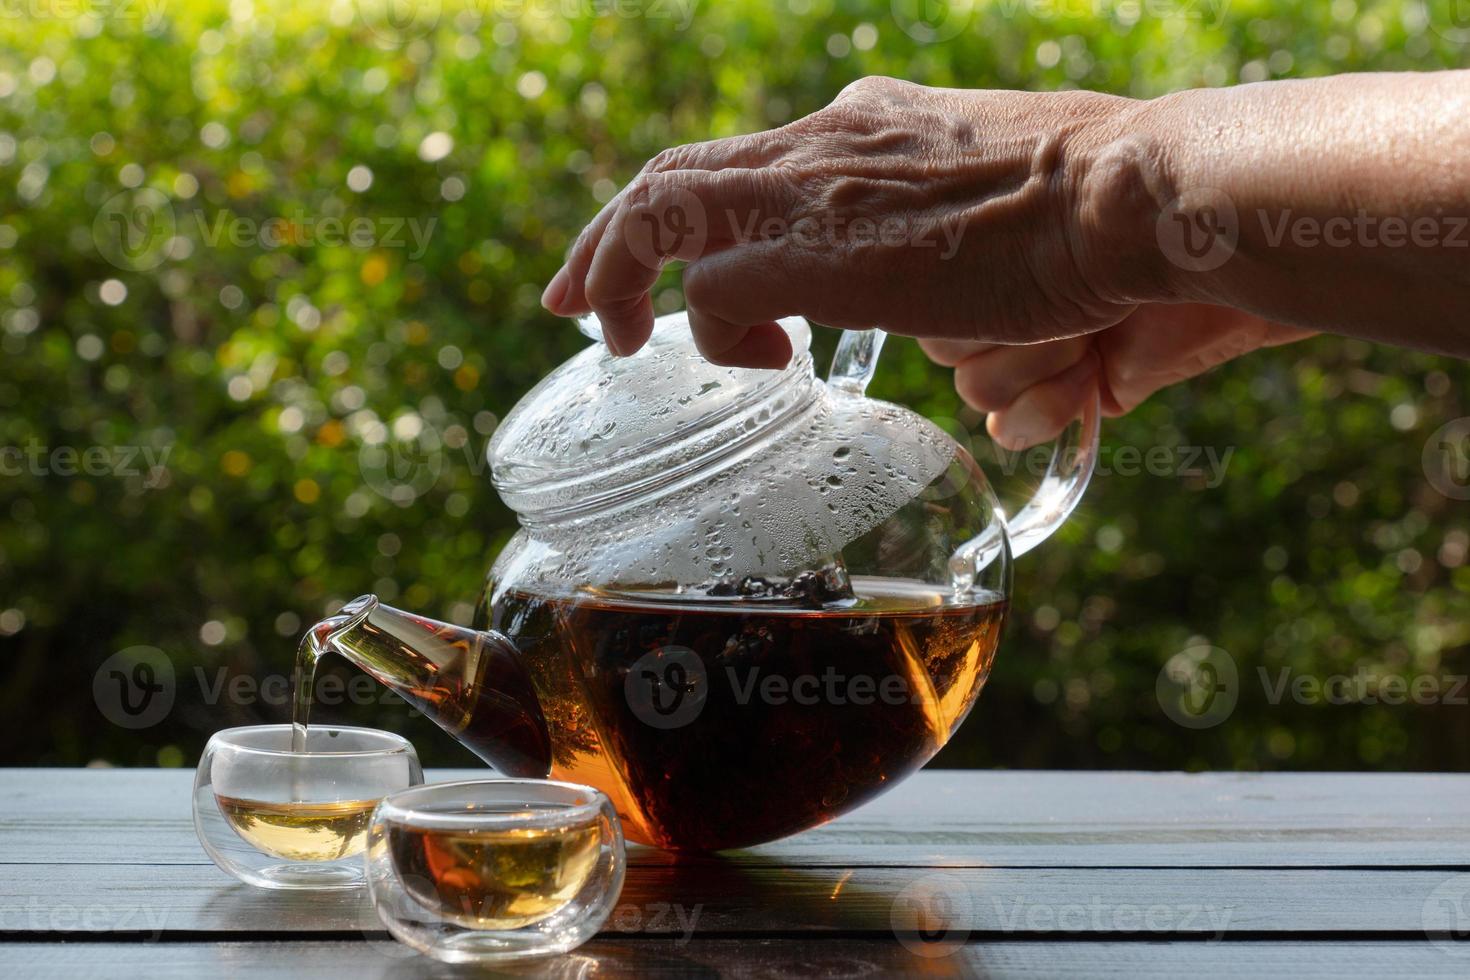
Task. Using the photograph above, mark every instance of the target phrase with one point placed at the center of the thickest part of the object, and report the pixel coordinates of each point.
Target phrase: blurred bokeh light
(279, 263)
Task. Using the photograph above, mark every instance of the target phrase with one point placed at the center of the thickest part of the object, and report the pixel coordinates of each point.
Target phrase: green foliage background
(264, 370)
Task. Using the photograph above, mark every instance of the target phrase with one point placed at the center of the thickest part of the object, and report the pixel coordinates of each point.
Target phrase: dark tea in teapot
(710, 722)
(738, 602)
(717, 724)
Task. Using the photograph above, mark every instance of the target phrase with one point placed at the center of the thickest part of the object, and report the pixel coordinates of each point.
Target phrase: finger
(1159, 345)
(677, 215)
(565, 295)
(766, 279)
(993, 379)
(1278, 334)
(948, 353)
(1045, 409)
(759, 345)
(735, 296)
(747, 150)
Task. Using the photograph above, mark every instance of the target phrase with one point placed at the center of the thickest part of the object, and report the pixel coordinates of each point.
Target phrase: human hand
(1031, 392)
(927, 212)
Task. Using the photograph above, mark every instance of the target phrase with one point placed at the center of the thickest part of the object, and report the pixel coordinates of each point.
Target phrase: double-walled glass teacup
(282, 819)
(493, 870)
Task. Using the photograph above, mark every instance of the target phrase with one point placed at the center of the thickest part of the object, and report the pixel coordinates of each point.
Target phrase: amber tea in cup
(279, 818)
(493, 870)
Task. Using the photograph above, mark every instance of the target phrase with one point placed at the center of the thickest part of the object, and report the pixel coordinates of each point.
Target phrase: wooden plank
(177, 900)
(756, 958)
(940, 818)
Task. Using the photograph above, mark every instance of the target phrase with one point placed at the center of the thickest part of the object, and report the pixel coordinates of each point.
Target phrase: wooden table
(1012, 873)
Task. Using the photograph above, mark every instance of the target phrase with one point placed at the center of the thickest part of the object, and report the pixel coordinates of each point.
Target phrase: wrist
(1123, 188)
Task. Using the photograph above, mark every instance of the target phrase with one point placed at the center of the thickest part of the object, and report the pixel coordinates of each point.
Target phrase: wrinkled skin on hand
(927, 212)
(978, 220)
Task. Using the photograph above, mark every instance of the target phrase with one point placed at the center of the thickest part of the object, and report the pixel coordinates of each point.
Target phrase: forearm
(1338, 204)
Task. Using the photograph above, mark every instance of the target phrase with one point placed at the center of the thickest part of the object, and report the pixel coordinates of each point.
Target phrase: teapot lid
(601, 427)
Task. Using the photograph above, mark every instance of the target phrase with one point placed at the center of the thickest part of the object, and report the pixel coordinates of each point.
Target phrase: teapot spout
(470, 682)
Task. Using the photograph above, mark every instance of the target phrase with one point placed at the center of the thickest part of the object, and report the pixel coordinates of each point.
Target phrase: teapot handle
(1067, 475)
(1073, 457)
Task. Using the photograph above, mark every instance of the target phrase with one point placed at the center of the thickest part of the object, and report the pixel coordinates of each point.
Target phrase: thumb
(734, 296)
(1042, 411)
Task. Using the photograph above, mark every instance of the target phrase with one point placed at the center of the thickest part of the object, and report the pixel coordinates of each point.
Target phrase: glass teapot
(740, 602)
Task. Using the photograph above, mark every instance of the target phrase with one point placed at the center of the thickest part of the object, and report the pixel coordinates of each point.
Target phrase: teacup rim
(399, 746)
(393, 808)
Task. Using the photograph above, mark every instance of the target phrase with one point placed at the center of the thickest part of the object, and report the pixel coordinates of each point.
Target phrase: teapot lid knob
(590, 327)
(856, 360)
